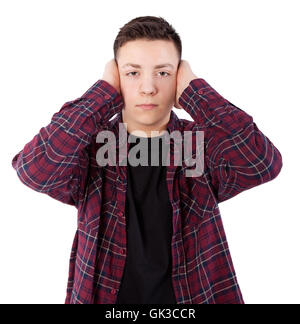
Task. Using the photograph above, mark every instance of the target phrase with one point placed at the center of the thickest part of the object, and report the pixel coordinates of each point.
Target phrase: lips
(147, 107)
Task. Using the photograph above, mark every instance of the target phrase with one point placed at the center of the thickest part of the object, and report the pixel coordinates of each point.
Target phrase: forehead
(154, 53)
(138, 66)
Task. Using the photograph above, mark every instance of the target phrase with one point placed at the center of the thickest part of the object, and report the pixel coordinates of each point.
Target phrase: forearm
(238, 155)
(55, 160)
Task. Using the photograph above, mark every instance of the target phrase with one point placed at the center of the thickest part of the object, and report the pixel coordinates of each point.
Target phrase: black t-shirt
(148, 268)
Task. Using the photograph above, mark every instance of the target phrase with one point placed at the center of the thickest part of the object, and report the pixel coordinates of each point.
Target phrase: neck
(150, 130)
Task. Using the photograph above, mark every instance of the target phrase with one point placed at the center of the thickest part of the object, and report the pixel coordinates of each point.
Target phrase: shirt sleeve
(55, 161)
(238, 155)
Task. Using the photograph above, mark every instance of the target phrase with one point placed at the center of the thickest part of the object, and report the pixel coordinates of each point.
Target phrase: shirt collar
(113, 125)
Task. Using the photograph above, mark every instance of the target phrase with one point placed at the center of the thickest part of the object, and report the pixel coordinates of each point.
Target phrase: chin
(147, 121)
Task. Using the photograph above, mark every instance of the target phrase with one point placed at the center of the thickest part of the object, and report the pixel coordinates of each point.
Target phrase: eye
(130, 72)
(166, 73)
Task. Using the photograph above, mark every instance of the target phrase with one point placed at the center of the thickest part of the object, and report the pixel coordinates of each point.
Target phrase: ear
(179, 64)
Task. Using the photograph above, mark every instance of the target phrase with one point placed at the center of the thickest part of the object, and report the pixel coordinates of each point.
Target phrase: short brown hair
(147, 27)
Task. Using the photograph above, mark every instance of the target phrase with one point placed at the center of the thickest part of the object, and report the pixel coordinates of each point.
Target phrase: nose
(147, 86)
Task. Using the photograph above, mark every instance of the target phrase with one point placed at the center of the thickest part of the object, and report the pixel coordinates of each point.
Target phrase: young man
(148, 234)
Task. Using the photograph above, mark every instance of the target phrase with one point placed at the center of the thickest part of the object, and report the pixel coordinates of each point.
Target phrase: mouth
(147, 107)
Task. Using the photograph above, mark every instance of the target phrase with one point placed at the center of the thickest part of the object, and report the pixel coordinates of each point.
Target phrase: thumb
(176, 104)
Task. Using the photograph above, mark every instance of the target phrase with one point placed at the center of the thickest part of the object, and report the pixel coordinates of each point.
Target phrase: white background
(53, 51)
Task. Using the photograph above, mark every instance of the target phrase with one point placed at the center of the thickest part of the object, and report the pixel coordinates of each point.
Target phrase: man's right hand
(111, 74)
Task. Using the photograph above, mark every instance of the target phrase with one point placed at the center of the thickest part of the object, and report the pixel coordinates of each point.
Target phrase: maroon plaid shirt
(60, 161)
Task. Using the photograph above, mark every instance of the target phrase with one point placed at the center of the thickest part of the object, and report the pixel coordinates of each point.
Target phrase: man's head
(147, 43)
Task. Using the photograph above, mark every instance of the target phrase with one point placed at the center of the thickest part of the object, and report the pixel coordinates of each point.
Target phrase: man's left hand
(184, 76)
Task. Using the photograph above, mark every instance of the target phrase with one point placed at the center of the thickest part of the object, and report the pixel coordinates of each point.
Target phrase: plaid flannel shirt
(60, 161)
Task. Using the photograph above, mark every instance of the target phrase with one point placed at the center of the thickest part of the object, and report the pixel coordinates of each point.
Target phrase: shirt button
(120, 214)
(107, 97)
(122, 251)
(113, 291)
(200, 91)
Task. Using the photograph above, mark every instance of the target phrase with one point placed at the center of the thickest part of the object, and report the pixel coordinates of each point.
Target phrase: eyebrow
(156, 66)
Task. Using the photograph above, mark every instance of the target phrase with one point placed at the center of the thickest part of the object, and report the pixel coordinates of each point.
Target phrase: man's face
(147, 83)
